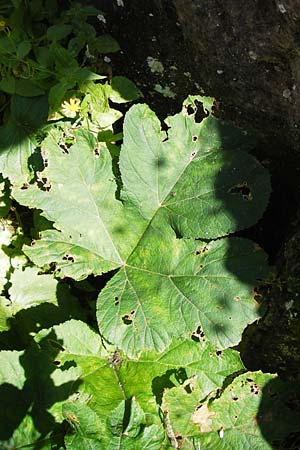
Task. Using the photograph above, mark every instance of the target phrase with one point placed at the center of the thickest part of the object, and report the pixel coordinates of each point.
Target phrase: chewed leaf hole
(254, 389)
(190, 110)
(195, 138)
(43, 183)
(97, 152)
(198, 335)
(128, 318)
(64, 148)
(242, 189)
(201, 250)
(117, 301)
(68, 257)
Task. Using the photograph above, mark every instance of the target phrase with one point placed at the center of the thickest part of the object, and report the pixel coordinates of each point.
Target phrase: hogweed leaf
(107, 382)
(177, 183)
(252, 412)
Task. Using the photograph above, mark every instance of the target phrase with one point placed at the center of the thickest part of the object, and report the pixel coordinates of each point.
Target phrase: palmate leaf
(255, 410)
(185, 182)
(113, 389)
(91, 433)
(111, 377)
(69, 375)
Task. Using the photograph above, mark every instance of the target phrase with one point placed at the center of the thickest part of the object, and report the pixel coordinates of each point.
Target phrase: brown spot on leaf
(115, 359)
(202, 417)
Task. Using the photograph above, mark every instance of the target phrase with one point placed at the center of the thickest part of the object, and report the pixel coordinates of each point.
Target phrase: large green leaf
(91, 433)
(253, 412)
(68, 374)
(107, 379)
(183, 182)
(99, 231)
(189, 285)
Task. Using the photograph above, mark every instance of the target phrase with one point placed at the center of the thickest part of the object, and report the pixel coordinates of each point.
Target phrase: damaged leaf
(172, 186)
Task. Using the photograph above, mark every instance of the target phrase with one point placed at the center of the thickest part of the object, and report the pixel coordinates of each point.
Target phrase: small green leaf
(58, 92)
(30, 113)
(62, 58)
(105, 44)
(25, 88)
(84, 74)
(123, 90)
(7, 45)
(8, 84)
(58, 32)
(43, 56)
(23, 49)
(28, 88)
(76, 44)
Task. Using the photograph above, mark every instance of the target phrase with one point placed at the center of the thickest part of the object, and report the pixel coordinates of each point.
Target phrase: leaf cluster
(41, 46)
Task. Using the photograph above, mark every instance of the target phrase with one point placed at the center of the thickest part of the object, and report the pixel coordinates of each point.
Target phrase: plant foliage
(123, 286)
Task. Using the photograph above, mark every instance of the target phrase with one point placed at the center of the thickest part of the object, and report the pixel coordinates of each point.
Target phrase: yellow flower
(2, 23)
(70, 108)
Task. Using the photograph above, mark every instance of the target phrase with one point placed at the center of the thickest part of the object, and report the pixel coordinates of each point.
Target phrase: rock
(246, 54)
